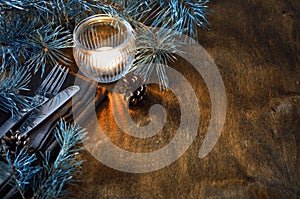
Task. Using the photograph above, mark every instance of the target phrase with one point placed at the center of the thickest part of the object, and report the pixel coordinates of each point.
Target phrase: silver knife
(48, 108)
(17, 119)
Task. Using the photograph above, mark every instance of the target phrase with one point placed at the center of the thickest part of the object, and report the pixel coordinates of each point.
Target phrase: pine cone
(13, 142)
(132, 88)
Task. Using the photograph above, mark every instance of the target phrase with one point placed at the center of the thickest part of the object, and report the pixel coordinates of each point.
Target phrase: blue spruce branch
(14, 44)
(14, 4)
(41, 177)
(12, 83)
(44, 43)
(156, 48)
(48, 46)
(54, 176)
(190, 14)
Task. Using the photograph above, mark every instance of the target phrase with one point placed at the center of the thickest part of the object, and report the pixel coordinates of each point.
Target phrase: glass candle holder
(104, 47)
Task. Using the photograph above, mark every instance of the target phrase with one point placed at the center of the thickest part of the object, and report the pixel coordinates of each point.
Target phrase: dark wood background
(255, 45)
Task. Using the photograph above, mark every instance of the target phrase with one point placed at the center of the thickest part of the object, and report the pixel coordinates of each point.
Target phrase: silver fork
(48, 89)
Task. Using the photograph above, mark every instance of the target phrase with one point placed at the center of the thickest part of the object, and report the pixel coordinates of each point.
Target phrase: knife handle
(14, 121)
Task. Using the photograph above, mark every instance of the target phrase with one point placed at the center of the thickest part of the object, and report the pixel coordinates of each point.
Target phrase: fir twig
(189, 14)
(42, 177)
(48, 46)
(66, 12)
(13, 40)
(54, 176)
(11, 85)
(156, 47)
(13, 4)
(43, 44)
(21, 168)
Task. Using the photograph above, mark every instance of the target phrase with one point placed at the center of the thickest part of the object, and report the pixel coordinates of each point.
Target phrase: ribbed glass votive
(104, 47)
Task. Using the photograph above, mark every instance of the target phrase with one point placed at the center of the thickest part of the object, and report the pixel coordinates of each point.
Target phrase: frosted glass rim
(102, 17)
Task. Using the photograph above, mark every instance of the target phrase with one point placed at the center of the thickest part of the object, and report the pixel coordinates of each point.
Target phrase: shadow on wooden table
(255, 45)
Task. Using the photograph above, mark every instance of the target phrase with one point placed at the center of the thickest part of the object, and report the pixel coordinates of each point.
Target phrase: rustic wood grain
(255, 45)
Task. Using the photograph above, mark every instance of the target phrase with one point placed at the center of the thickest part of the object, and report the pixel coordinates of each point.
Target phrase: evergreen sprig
(33, 44)
(14, 44)
(12, 83)
(43, 177)
(64, 12)
(40, 43)
(20, 169)
(156, 47)
(17, 4)
(190, 14)
(132, 11)
(54, 176)
(47, 46)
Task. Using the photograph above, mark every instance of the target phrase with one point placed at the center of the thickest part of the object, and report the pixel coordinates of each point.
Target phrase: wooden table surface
(255, 45)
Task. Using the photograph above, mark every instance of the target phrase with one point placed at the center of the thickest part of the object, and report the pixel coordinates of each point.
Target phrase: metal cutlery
(48, 88)
(51, 100)
(44, 111)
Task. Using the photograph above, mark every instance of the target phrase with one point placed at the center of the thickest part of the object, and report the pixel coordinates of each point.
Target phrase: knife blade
(48, 108)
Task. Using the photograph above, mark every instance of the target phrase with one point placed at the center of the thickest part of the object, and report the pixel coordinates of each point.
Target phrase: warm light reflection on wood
(140, 116)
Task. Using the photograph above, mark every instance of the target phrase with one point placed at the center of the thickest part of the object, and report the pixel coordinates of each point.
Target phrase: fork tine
(45, 82)
(54, 78)
(59, 81)
(53, 82)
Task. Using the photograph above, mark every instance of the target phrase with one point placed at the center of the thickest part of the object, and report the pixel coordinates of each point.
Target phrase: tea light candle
(106, 60)
(104, 47)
